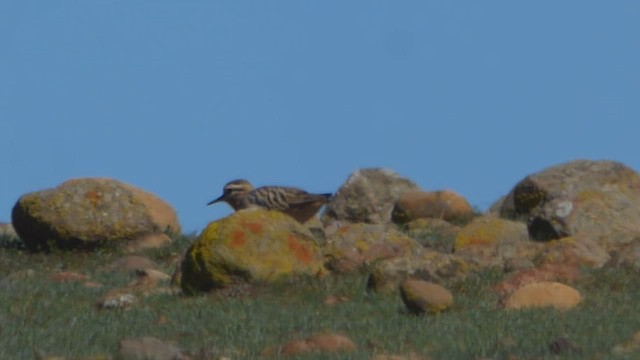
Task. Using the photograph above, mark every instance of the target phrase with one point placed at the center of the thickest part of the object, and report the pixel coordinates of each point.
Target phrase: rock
(631, 346)
(7, 230)
(154, 275)
(148, 348)
(425, 297)
(562, 345)
(489, 230)
(544, 294)
(356, 245)
(367, 196)
(431, 266)
(150, 241)
(575, 199)
(247, 246)
(324, 343)
(546, 272)
(89, 213)
(488, 241)
(117, 301)
(575, 250)
(627, 256)
(446, 205)
(435, 234)
(68, 276)
(410, 356)
(131, 263)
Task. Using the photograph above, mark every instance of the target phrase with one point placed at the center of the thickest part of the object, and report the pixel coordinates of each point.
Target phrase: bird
(297, 203)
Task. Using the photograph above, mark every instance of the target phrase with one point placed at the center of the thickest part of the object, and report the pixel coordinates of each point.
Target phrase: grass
(42, 317)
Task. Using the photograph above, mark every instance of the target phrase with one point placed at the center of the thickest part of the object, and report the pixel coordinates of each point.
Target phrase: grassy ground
(39, 316)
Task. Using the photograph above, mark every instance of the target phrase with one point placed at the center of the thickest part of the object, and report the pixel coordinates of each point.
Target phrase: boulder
(90, 212)
(356, 245)
(253, 245)
(577, 198)
(367, 196)
(446, 205)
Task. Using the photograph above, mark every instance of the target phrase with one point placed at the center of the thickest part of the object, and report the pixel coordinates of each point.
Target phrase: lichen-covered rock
(627, 256)
(544, 294)
(489, 230)
(594, 199)
(367, 196)
(90, 212)
(489, 241)
(432, 233)
(421, 296)
(356, 245)
(580, 250)
(252, 245)
(446, 205)
(430, 265)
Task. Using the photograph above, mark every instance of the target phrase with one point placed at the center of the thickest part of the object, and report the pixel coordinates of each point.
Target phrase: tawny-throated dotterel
(297, 203)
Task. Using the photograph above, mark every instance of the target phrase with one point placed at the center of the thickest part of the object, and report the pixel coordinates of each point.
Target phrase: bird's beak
(216, 200)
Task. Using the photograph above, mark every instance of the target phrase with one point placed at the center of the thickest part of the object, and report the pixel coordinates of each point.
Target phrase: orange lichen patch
(93, 196)
(300, 251)
(344, 229)
(254, 227)
(238, 239)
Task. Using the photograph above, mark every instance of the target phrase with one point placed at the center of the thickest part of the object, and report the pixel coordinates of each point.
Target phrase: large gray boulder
(368, 196)
(598, 200)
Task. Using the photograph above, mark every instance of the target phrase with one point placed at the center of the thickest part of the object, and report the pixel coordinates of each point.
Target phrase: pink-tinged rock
(544, 294)
(446, 205)
(546, 272)
(328, 343)
(68, 276)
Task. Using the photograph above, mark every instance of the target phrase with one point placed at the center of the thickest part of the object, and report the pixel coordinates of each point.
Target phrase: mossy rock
(248, 246)
(88, 213)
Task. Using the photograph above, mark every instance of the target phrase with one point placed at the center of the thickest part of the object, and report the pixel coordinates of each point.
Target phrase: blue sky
(178, 97)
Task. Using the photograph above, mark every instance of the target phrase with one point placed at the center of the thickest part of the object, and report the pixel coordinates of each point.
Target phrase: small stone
(544, 294)
(562, 345)
(119, 301)
(628, 347)
(153, 274)
(325, 343)
(331, 343)
(68, 276)
(420, 296)
(132, 263)
(411, 356)
(148, 348)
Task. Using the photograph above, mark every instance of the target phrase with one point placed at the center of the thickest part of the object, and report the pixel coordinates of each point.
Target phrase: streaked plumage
(297, 203)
